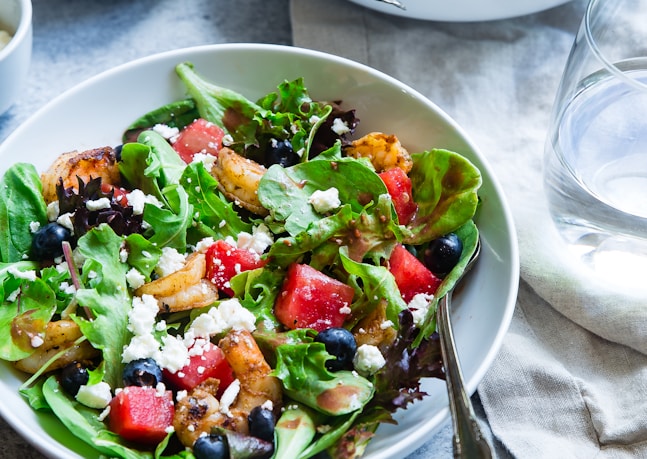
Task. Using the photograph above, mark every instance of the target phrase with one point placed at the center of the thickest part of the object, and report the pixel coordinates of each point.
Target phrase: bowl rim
(56, 449)
(22, 31)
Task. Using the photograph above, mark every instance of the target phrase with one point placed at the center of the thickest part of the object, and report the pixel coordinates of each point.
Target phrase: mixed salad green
(91, 272)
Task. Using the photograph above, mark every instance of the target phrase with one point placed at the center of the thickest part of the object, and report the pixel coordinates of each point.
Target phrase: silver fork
(468, 440)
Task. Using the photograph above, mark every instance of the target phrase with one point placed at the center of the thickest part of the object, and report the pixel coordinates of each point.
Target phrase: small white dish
(461, 10)
(15, 18)
(483, 308)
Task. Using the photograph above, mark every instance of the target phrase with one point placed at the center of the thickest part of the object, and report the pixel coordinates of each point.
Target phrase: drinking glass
(595, 163)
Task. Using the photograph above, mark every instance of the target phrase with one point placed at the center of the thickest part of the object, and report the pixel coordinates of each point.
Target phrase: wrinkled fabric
(570, 378)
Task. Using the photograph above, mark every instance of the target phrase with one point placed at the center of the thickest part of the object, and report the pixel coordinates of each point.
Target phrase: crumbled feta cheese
(208, 324)
(141, 317)
(229, 397)
(98, 204)
(104, 414)
(314, 119)
(204, 244)
(325, 201)
(95, 396)
(260, 239)
(268, 405)
(169, 262)
(419, 306)
(53, 210)
(137, 199)
(207, 160)
(180, 395)
(134, 278)
(166, 131)
(65, 221)
(68, 288)
(386, 324)
(237, 316)
(141, 347)
(368, 359)
(37, 341)
(34, 227)
(340, 127)
(227, 140)
(29, 275)
(13, 296)
(174, 355)
(345, 310)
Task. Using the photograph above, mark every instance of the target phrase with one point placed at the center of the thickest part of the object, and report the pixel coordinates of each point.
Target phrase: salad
(236, 279)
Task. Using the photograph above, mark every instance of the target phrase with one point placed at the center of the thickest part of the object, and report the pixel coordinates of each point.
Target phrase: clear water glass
(595, 166)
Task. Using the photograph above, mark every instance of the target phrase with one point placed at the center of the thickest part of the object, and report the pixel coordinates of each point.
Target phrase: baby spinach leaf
(170, 224)
(142, 254)
(21, 203)
(177, 114)
(445, 188)
(83, 422)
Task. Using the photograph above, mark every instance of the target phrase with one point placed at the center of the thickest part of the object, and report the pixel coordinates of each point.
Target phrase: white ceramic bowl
(461, 10)
(483, 308)
(15, 18)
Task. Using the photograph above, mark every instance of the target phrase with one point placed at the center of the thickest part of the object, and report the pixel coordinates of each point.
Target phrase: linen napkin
(571, 377)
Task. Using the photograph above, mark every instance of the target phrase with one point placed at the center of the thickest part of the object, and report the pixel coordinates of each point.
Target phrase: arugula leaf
(170, 225)
(445, 188)
(164, 163)
(210, 207)
(142, 254)
(21, 203)
(301, 369)
(107, 297)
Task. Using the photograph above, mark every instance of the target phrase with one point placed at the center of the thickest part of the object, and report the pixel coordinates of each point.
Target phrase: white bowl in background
(15, 18)
(461, 10)
(483, 308)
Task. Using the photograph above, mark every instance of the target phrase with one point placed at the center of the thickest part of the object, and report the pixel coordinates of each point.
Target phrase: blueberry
(73, 376)
(281, 152)
(211, 447)
(142, 372)
(341, 344)
(442, 254)
(261, 424)
(47, 242)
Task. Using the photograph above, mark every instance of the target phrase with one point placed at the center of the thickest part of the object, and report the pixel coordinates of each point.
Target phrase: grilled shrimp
(99, 162)
(200, 411)
(384, 151)
(257, 386)
(183, 289)
(238, 179)
(59, 335)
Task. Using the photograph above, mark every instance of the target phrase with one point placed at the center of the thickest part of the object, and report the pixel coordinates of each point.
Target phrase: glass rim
(610, 66)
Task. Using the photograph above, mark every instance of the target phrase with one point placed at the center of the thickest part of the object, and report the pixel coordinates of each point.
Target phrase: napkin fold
(570, 379)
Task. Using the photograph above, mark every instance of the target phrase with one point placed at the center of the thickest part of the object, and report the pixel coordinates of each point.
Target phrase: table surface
(77, 39)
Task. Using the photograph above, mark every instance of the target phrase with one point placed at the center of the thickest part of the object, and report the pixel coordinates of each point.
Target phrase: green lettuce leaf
(106, 296)
(445, 186)
(301, 369)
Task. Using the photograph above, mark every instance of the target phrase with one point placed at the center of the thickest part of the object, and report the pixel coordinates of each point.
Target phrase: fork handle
(468, 440)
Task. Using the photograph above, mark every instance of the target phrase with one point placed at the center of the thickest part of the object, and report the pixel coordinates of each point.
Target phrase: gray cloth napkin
(571, 377)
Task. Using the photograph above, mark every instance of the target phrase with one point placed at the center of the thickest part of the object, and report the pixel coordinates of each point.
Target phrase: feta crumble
(325, 201)
(368, 359)
(169, 262)
(95, 396)
(340, 127)
(98, 204)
